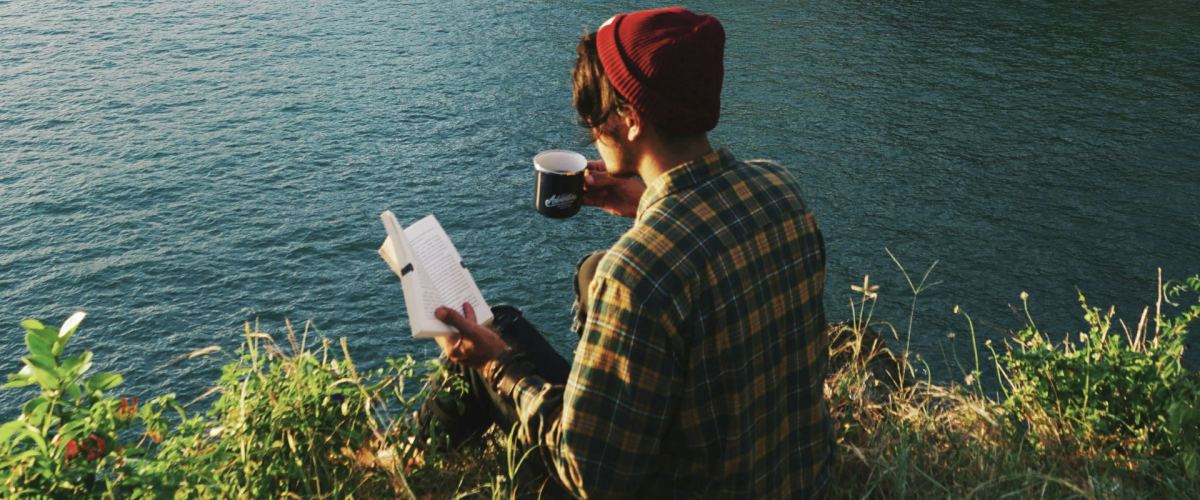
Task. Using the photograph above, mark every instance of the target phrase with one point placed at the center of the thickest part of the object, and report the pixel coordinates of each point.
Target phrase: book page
(443, 266)
(421, 313)
(420, 298)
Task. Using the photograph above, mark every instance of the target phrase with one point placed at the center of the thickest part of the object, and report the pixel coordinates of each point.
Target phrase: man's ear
(633, 124)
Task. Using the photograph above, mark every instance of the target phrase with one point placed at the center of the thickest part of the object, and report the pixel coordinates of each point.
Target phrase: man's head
(652, 75)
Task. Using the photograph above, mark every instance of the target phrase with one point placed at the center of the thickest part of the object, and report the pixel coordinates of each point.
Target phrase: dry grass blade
(205, 394)
(203, 351)
(349, 362)
(273, 350)
(291, 336)
(1158, 309)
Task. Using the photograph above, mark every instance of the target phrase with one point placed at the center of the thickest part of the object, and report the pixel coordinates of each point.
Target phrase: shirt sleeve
(602, 431)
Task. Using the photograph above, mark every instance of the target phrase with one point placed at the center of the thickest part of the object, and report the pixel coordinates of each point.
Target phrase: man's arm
(603, 430)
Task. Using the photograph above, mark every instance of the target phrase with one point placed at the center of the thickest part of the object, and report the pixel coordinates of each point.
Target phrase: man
(701, 362)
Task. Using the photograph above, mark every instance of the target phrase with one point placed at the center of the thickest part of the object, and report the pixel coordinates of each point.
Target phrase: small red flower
(127, 410)
(72, 450)
(92, 447)
(97, 450)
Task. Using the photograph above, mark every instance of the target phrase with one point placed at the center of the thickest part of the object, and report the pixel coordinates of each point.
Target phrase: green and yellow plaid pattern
(701, 365)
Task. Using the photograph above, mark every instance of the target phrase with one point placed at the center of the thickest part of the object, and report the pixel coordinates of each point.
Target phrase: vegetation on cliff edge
(1106, 413)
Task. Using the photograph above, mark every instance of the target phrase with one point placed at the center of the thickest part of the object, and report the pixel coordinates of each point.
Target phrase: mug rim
(574, 154)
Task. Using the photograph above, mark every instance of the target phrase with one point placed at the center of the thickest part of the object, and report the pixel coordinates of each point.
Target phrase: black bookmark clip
(463, 263)
(407, 269)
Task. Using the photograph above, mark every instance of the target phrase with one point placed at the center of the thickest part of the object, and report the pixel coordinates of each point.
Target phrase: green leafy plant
(303, 423)
(1124, 390)
(1110, 412)
(70, 439)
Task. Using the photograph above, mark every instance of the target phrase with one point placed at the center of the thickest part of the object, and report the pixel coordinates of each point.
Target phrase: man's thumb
(450, 317)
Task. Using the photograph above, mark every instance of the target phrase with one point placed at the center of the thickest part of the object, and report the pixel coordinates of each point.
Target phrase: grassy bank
(1106, 413)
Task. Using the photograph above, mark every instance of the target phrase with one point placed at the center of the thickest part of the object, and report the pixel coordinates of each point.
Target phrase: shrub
(72, 438)
(1109, 412)
(305, 422)
(1120, 393)
(285, 424)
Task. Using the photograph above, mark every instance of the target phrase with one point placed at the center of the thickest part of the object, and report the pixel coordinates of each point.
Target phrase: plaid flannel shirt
(701, 363)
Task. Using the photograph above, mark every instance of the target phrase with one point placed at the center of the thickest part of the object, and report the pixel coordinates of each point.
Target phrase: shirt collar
(683, 176)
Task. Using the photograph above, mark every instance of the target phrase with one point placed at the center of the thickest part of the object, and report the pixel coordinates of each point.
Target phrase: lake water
(177, 168)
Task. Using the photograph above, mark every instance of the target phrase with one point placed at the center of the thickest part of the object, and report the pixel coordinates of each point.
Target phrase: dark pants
(471, 413)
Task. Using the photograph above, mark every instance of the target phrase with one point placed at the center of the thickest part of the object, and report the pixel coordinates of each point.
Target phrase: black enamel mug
(559, 191)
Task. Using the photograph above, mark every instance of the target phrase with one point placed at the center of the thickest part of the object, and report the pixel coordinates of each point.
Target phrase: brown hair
(597, 102)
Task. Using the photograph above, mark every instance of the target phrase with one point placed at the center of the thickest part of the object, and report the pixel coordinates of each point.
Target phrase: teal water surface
(178, 168)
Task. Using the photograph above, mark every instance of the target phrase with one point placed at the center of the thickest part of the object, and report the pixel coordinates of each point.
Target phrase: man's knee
(523, 336)
(512, 326)
(504, 315)
(585, 271)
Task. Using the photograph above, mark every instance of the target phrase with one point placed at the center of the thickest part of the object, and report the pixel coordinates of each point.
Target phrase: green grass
(1106, 413)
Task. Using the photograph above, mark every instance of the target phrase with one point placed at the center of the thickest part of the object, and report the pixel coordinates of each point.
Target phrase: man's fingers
(446, 342)
(470, 313)
(476, 343)
(598, 189)
(461, 351)
(599, 180)
(595, 197)
(453, 318)
(596, 166)
(465, 325)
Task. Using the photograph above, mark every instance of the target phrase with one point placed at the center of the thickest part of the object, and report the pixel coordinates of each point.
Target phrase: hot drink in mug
(559, 190)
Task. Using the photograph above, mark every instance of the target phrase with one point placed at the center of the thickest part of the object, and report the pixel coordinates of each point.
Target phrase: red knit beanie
(668, 63)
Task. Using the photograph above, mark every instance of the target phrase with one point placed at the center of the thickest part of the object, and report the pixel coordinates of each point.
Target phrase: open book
(431, 273)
